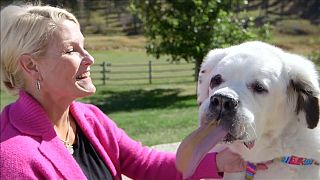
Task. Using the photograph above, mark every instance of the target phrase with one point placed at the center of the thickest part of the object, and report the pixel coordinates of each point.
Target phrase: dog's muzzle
(223, 107)
(223, 103)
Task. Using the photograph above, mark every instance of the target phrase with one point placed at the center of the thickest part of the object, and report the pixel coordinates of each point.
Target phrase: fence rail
(150, 72)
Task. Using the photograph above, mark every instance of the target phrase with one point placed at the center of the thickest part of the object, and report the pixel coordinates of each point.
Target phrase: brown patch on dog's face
(306, 101)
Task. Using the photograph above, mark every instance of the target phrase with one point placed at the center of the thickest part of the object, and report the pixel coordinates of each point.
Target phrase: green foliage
(315, 57)
(188, 29)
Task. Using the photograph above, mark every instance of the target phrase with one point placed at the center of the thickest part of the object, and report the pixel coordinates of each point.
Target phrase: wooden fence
(147, 73)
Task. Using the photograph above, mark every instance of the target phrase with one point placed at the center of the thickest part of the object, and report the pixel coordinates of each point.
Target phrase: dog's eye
(258, 88)
(215, 81)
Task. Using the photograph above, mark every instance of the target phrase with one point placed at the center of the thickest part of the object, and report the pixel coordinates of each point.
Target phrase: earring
(38, 85)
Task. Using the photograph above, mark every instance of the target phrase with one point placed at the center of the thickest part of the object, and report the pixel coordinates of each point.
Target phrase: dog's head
(257, 94)
(255, 90)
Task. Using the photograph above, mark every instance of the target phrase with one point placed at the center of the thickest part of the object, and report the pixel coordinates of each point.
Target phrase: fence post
(103, 73)
(150, 73)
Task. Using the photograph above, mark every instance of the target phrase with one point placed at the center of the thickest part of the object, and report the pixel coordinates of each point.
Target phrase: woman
(46, 134)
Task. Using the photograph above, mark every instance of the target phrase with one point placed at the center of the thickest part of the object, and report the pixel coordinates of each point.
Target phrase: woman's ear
(29, 66)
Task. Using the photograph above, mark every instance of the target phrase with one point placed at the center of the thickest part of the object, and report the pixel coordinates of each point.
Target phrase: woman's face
(65, 67)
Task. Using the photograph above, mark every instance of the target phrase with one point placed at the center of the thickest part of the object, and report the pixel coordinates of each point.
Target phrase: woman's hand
(228, 161)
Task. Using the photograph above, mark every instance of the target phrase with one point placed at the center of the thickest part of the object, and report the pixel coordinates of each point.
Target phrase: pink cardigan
(30, 148)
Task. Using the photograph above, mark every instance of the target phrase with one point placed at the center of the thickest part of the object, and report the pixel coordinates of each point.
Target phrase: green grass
(122, 43)
(156, 113)
(5, 98)
(297, 36)
(155, 116)
(132, 68)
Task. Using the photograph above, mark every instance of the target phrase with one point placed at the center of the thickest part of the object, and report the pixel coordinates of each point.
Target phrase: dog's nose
(224, 102)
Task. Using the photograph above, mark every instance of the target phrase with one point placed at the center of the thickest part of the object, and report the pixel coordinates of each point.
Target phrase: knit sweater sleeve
(141, 162)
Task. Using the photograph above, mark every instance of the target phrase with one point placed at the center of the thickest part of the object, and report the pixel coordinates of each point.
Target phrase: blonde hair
(26, 29)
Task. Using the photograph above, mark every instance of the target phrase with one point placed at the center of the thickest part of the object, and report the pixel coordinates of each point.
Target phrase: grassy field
(297, 36)
(165, 112)
(153, 114)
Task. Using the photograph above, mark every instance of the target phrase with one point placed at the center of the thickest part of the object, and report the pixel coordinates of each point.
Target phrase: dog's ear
(205, 73)
(303, 88)
(307, 102)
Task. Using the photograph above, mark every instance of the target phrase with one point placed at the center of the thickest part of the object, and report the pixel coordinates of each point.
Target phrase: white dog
(267, 101)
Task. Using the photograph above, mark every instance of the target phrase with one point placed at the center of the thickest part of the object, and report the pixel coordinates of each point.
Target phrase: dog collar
(292, 160)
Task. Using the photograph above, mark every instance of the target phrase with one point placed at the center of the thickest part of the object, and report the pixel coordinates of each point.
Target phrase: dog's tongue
(193, 148)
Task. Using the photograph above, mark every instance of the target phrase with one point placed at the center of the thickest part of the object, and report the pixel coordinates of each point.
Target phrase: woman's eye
(69, 51)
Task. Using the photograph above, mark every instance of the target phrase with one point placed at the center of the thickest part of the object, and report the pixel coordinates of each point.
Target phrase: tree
(188, 29)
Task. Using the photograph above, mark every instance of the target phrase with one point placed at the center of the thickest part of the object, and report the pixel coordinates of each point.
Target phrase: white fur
(268, 118)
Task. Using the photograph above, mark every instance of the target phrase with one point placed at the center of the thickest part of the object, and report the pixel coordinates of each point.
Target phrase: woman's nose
(87, 59)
